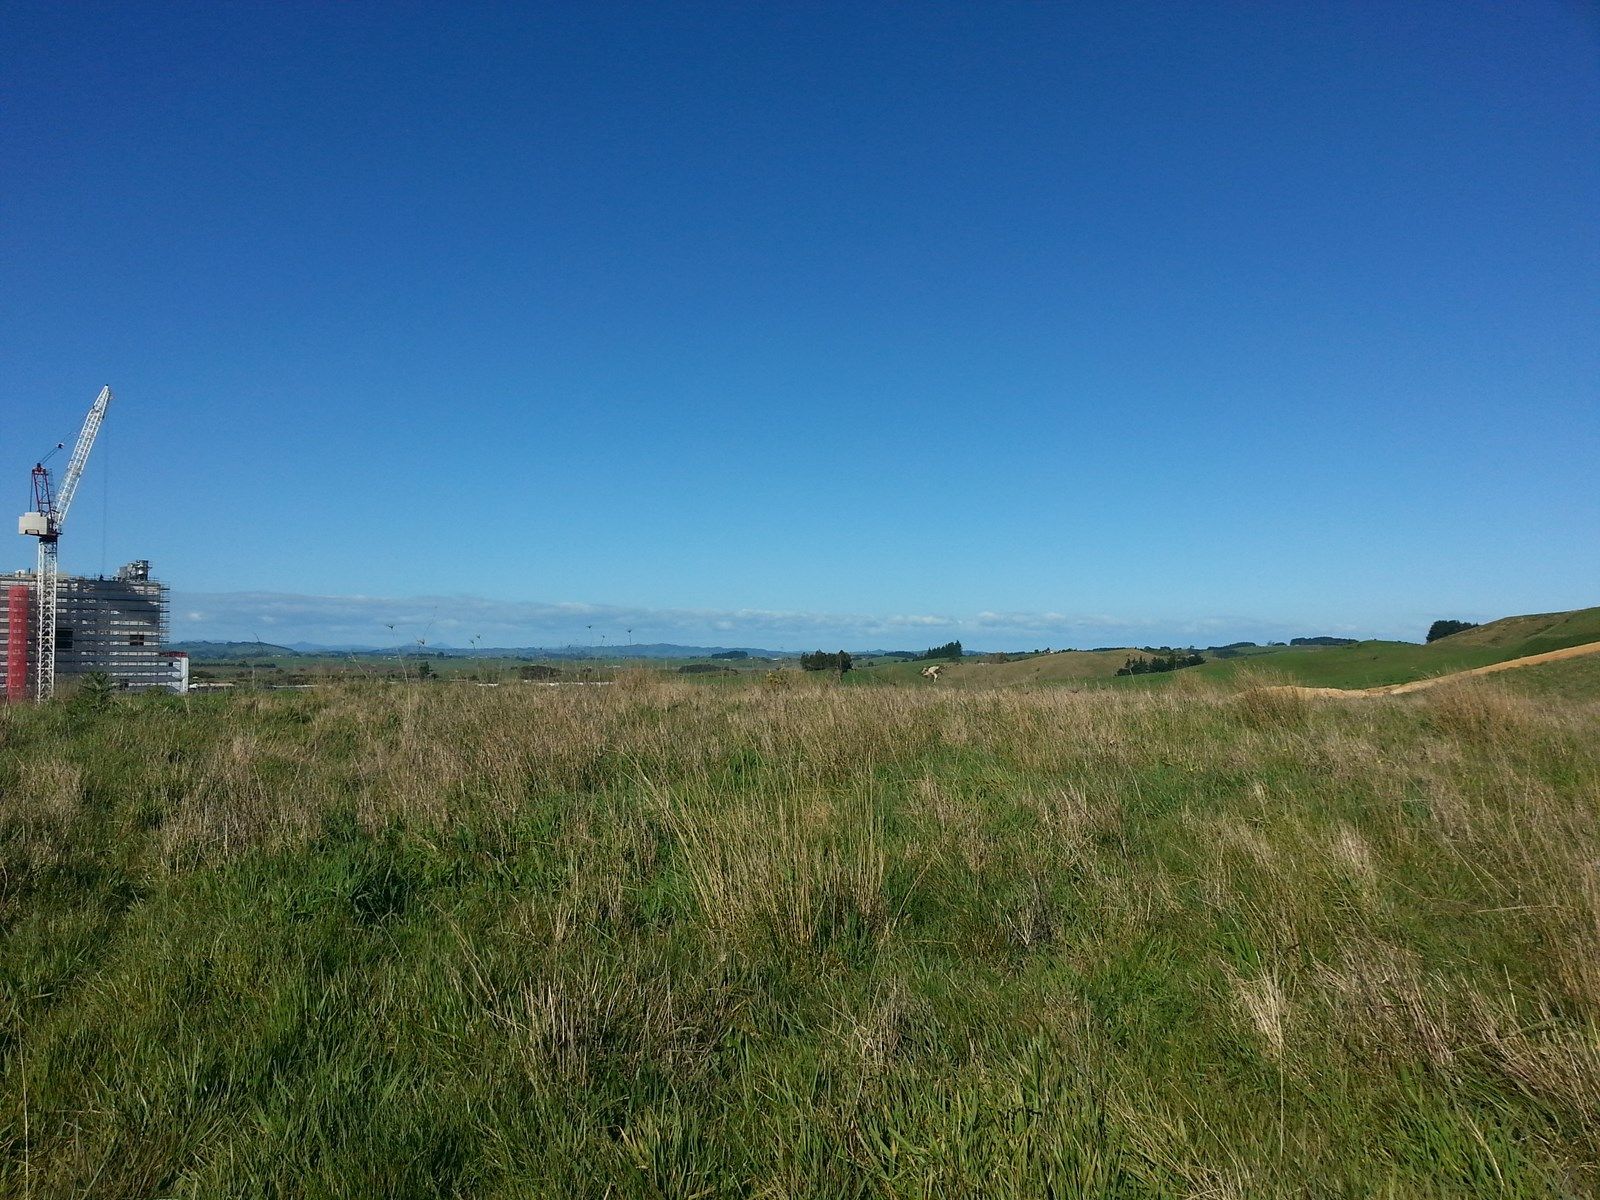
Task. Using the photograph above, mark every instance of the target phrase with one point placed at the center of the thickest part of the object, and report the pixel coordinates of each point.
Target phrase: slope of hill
(1534, 633)
(1573, 679)
(1377, 664)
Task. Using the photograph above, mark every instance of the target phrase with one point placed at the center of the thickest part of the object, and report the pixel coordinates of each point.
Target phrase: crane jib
(45, 523)
(80, 454)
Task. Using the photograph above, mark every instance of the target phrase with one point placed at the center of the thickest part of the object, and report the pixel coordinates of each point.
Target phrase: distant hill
(642, 650)
(1533, 634)
(232, 651)
(1313, 661)
(1376, 663)
(202, 650)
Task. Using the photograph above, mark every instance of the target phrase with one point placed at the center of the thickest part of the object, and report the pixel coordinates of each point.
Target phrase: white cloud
(466, 620)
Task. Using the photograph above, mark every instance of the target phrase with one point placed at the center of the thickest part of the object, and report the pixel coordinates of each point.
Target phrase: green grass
(800, 940)
(1574, 680)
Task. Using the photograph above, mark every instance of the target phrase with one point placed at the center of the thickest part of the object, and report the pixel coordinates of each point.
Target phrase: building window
(63, 638)
(136, 639)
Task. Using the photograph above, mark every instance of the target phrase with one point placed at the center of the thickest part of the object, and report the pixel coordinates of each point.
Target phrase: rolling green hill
(1532, 634)
(1362, 665)
(1377, 663)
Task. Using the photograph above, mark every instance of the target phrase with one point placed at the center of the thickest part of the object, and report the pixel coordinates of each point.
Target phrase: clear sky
(781, 324)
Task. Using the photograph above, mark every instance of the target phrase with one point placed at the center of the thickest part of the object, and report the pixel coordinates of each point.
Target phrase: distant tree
(1231, 650)
(948, 650)
(1443, 629)
(821, 660)
(1161, 661)
(424, 670)
(732, 654)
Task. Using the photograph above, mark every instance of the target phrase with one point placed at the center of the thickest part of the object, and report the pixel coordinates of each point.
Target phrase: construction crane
(50, 505)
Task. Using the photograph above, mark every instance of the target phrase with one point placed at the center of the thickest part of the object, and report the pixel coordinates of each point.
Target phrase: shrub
(95, 693)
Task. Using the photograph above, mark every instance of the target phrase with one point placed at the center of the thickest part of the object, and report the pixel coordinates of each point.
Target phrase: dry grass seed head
(1483, 715)
(1387, 1008)
(39, 811)
(1352, 853)
(1272, 706)
(49, 791)
(1262, 1003)
(782, 863)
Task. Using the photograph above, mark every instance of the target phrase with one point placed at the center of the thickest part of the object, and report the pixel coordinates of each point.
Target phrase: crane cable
(105, 503)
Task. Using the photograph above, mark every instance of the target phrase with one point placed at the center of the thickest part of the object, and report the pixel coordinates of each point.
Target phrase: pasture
(801, 939)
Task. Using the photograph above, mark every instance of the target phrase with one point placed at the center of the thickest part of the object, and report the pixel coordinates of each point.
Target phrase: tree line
(821, 660)
(1165, 660)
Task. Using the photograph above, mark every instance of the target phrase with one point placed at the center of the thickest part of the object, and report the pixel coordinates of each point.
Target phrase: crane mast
(50, 507)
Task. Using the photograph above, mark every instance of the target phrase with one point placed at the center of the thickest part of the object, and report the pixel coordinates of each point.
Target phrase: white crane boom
(80, 455)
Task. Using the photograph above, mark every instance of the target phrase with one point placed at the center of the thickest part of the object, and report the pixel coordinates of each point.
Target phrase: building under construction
(115, 625)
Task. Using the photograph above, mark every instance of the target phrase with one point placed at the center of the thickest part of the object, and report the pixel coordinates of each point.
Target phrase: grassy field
(1066, 666)
(807, 940)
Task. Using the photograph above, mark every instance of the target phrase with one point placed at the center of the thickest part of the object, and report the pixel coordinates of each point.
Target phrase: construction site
(57, 630)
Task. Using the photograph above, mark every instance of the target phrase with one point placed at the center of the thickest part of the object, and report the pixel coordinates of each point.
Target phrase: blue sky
(794, 324)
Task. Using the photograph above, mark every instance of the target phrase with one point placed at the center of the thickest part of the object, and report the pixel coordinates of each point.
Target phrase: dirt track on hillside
(1417, 685)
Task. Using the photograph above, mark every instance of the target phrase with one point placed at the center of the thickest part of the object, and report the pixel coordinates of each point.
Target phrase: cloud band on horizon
(464, 620)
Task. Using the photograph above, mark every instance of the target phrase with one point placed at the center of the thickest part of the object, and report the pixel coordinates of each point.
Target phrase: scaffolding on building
(116, 625)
